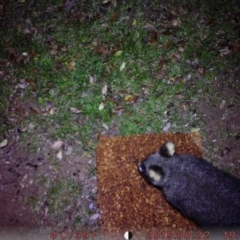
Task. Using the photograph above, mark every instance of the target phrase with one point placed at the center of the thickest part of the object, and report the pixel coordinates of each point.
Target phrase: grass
(73, 89)
(74, 60)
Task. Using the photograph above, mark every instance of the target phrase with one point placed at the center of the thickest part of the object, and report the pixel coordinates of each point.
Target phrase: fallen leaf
(180, 10)
(64, 49)
(195, 130)
(225, 51)
(222, 104)
(101, 106)
(75, 110)
(180, 96)
(118, 53)
(131, 98)
(91, 79)
(176, 22)
(123, 65)
(34, 109)
(181, 49)
(57, 144)
(53, 52)
(104, 89)
(52, 110)
(236, 46)
(148, 25)
(105, 126)
(59, 155)
(212, 22)
(100, 49)
(168, 44)
(4, 143)
(72, 65)
(118, 111)
(162, 72)
(23, 84)
(114, 17)
(167, 32)
(114, 3)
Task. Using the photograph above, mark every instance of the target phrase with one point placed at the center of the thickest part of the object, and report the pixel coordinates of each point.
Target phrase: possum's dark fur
(195, 187)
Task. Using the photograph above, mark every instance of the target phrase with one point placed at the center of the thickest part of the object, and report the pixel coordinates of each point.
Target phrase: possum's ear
(167, 149)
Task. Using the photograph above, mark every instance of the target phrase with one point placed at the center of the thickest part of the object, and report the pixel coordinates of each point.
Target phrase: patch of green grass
(61, 195)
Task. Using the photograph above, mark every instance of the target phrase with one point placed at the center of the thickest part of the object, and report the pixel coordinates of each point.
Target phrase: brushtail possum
(195, 187)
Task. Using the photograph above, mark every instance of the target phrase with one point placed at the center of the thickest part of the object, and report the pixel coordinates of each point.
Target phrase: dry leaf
(4, 143)
(180, 96)
(91, 79)
(168, 44)
(225, 51)
(64, 49)
(101, 106)
(176, 22)
(52, 110)
(195, 129)
(180, 10)
(118, 53)
(148, 25)
(118, 111)
(114, 17)
(222, 104)
(59, 155)
(162, 72)
(131, 98)
(53, 52)
(105, 126)
(134, 22)
(57, 144)
(123, 65)
(72, 65)
(100, 49)
(104, 89)
(75, 110)
(114, 3)
(181, 49)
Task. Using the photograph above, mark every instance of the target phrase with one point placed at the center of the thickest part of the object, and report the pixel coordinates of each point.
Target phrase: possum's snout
(142, 170)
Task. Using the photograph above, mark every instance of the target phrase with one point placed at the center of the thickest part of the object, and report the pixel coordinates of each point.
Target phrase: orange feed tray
(126, 201)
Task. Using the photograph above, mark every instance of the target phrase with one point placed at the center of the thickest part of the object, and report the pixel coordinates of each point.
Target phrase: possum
(196, 188)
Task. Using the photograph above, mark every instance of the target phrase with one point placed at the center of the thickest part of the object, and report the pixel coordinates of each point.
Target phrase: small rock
(91, 206)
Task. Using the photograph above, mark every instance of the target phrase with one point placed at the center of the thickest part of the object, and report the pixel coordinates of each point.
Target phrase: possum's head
(153, 167)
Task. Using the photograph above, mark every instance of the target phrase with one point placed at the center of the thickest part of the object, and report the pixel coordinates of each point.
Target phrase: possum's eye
(155, 173)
